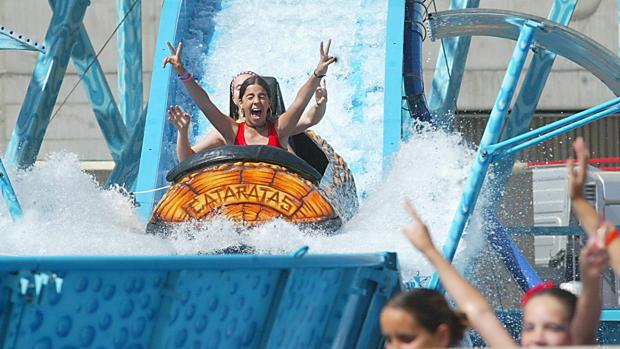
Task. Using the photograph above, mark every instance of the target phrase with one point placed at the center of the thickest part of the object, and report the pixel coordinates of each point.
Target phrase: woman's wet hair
(568, 300)
(431, 309)
(233, 108)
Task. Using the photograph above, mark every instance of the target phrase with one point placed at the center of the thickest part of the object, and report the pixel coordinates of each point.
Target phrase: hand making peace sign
(325, 60)
(175, 58)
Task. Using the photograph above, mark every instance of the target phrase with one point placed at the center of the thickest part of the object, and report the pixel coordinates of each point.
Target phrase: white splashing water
(430, 171)
(67, 213)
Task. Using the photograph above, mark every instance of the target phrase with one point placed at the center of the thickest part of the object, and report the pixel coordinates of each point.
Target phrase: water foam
(66, 213)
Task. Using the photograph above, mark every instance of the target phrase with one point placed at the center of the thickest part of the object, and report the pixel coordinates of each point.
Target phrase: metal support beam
(491, 136)
(509, 253)
(126, 169)
(15, 209)
(99, 94)
(449, 73)
(44, 86)
(392, 104)
(149, 174)
(519, 122)
(130, 61)
(12, 40)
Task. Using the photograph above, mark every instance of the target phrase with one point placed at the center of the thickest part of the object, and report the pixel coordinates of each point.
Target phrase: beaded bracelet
(611, 236)
(185, 77)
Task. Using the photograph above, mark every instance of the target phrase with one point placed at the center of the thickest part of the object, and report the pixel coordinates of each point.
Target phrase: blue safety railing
(195, 301)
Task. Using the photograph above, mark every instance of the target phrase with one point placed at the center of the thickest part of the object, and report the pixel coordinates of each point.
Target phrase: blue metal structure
(392, 102)
(554, 39)
(518, 123)
(151, 169)
(15, 209)
(66, 38)
(45, 84)
(201, 301)
(11, 40)
(413, 75)
(491, 136)
(449, 71)
(99, 94)
(130, 61)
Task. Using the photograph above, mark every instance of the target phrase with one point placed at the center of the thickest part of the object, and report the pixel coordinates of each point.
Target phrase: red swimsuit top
(273, 136)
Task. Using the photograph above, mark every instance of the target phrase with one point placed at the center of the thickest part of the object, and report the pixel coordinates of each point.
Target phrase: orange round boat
(255, 184)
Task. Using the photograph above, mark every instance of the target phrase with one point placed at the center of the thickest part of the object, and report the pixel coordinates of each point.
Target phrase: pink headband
(536, 289)
(247, 72)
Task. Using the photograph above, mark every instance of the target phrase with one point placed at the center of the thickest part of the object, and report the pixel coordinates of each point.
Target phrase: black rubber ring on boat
(235, 153)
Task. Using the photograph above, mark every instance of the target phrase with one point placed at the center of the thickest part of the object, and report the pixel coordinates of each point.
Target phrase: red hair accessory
(536, 289)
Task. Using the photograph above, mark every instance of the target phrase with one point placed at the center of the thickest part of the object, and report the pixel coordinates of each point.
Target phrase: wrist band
(317, 76)
(611, 236)
(185, 77)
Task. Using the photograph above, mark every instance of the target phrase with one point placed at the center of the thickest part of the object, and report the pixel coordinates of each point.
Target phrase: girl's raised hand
(320, 94)
(325, 59)
(594, 257)
(179, 118)
(577, 179)
(418, 233)
(175, 58)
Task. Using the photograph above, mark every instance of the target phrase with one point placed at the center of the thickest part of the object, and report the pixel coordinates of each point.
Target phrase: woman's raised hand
(418, 233)
(175, 58)
(594, 258)
(576, 179)
(325, 60)
(320, 94)
(179, 118)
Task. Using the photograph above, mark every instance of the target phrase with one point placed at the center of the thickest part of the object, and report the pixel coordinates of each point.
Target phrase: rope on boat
(150, 190)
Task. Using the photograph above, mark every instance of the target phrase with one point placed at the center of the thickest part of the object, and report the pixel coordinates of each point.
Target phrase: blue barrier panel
(195, 301)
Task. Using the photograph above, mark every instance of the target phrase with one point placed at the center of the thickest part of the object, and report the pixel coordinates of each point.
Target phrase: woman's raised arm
(469, 300)
(219, 120)
(287, 122)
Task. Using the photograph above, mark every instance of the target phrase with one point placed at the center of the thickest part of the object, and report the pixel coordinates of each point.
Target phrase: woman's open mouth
(256, 113)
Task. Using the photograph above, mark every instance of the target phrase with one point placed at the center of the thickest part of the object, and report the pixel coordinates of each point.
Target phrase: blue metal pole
(449, 71)
(45, 84)
(126, 169)
(518, 123)
(509, 253)
(99, 94)
(15, 209)
(557, 132)
(413, 74)
(130, 61)
(568, 121)
(392, 126)
(491, 135)
(149, 172)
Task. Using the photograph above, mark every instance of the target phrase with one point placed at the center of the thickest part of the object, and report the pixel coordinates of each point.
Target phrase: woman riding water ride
(254, 105)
